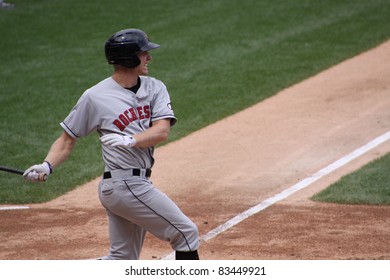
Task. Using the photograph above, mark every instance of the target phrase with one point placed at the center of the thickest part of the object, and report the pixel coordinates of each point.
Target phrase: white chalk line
(5, 208)
(291, 190)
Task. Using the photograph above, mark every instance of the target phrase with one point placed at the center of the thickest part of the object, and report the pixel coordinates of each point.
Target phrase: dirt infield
(226, 168)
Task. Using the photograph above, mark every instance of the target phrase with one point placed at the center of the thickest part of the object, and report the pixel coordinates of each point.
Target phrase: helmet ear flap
(133, 61)
(130, 61)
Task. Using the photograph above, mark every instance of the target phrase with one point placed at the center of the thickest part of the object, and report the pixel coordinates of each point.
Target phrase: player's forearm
(156, 134)
(60, 150)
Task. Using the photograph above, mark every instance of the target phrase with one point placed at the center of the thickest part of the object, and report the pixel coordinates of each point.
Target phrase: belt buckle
(136, 172)
(107, 175)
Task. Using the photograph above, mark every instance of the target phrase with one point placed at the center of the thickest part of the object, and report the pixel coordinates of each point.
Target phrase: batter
(132, 113)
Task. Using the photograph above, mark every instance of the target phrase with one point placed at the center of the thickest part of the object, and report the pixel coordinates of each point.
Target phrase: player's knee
(194, 236)
(188, 238)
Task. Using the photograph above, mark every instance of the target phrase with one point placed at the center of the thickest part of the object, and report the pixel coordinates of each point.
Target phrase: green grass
(216, 57)
(369, 185)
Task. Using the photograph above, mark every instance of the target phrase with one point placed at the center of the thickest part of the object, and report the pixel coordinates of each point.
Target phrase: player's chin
(144, 71)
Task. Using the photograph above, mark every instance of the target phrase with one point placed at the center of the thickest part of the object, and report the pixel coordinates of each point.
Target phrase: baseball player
(132, 113)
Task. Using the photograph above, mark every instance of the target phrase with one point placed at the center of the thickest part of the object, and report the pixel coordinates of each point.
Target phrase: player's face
(145, 57)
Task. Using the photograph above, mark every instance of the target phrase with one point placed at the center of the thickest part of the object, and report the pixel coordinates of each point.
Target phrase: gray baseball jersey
(109, 108)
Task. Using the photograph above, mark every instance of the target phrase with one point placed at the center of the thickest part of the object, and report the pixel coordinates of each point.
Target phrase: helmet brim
(149, 46)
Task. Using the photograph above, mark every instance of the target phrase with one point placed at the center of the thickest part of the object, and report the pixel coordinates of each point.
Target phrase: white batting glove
(115, 140)
(38, 172)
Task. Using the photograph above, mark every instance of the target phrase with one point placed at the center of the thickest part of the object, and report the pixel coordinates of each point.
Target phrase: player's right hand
(37, 173)
(115, 140)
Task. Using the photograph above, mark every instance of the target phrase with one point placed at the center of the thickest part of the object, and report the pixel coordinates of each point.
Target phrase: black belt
(136, 172)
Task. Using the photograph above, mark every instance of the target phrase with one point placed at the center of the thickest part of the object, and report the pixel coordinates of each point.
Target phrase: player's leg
(138, 201)
(163, 218)
(126, 238)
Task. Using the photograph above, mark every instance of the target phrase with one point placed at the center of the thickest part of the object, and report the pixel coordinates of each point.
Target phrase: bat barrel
(11, 170)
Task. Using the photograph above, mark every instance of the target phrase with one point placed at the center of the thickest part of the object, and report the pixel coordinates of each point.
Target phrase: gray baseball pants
(134, 206)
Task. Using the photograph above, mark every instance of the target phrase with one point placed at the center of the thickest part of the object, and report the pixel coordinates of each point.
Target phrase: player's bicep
(162, 128)
(82, 119)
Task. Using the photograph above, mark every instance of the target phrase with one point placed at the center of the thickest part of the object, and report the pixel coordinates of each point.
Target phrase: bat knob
(42, 177)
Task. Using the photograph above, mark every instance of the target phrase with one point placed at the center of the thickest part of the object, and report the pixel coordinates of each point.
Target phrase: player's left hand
(115, 140)
(38, 172)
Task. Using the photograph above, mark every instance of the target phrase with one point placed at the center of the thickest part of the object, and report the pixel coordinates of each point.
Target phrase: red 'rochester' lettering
(130, 115)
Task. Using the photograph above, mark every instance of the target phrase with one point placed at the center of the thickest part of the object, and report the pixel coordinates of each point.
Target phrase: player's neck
(125, 78)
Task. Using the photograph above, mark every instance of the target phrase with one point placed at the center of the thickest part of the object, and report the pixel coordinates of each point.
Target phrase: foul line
(14, 208)
(293, 189)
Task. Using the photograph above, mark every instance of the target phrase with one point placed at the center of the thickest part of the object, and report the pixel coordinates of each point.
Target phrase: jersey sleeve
(82, 118)
(162, 107)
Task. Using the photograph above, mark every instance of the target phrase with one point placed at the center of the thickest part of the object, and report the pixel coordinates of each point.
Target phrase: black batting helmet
(122, 47)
